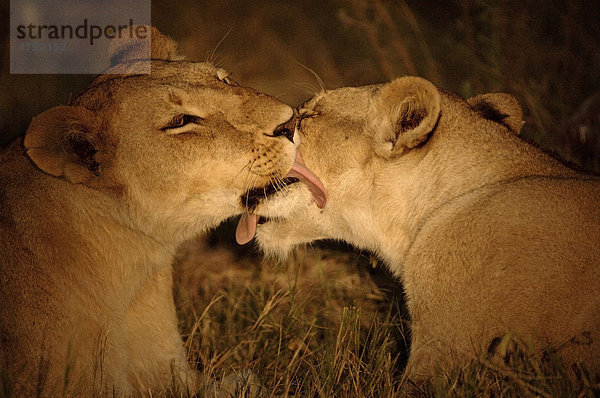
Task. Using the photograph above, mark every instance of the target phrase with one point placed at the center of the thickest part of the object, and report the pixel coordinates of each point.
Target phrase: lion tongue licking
(246, 227)
(300, 171)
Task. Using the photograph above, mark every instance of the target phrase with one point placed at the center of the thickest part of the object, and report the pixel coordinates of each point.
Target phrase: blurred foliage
(547, 53)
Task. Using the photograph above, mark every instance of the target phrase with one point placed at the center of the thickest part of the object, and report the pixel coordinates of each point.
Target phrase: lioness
(93, 203)
(488, 234)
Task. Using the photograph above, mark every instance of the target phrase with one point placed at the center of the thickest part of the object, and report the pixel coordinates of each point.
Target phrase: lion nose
(286, 129)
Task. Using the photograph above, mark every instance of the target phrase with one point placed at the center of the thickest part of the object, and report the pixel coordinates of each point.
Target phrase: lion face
(175, 149)
(336, 146)
(359, 141)
(211, 141)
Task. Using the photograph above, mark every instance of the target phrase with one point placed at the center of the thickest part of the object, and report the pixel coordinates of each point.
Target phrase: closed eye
(227, 80)
(224, 76)
(181, 120)
(230, 81)
(306, 114)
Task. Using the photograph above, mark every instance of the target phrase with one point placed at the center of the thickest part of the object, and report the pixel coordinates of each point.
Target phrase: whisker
(316, 76)
(273, 181)
(240, 172)
(307, 88)
(247, 193)
(242, 169)
(217, 59)
(279, 96)
(279, 183)
(253, 184)
(247, 182)
(211, 58)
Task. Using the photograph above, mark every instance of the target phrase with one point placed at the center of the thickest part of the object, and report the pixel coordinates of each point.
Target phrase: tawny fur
(488, 234)
(93, 206)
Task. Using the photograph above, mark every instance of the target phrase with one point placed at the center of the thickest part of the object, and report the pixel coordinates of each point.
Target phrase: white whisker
(275, 182)
(316, 76)
(242, 169)
(280, 183)
(211, 57)
(307, 88)
(247, 182)
(247, 174)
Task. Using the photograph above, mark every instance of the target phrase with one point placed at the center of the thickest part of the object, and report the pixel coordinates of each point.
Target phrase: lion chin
(246, 228)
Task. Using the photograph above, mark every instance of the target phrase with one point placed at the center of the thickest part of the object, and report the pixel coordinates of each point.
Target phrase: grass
(312, 328)
(319, 326)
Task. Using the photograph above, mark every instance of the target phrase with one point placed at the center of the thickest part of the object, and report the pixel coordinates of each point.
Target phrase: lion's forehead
(346, 102)
(176, 70)
(184, 75)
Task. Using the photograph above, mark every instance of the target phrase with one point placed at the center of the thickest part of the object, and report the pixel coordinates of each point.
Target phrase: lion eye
(181, 120)
(306, 114)
(223, 76)
(229, 81)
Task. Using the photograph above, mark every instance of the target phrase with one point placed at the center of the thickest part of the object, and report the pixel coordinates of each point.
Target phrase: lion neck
(93, 242)
(404, 193)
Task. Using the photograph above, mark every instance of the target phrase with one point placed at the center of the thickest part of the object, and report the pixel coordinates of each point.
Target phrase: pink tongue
(246, 227)
(317, 189)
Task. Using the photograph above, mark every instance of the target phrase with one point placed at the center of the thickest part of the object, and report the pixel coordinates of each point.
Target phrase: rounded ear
(403, 115)
(63, 142)
(141, 43)
(501, 108)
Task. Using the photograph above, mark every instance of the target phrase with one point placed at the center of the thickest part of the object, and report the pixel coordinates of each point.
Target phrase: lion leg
(432, 356)
(420, 366)
(422, 360)
(157, 356)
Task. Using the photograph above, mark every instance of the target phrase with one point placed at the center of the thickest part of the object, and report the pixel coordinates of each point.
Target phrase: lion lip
(246, 228)
(253, 197)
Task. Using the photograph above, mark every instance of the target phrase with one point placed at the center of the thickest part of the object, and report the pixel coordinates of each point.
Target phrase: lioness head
(177, 147)
(358, 139)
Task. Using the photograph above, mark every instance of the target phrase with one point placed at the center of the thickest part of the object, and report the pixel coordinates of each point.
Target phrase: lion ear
(403, 115)
(62, 142)
(141, 42)
(501, 108)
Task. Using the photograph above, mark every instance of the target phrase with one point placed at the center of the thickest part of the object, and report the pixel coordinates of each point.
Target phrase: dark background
(546, 53)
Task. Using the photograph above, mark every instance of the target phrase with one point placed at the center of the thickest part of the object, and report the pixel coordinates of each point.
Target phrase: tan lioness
(488, 234)
(93, 203)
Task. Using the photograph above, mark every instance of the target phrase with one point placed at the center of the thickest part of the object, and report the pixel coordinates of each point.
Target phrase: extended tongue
(299, 170)
(246, 228)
